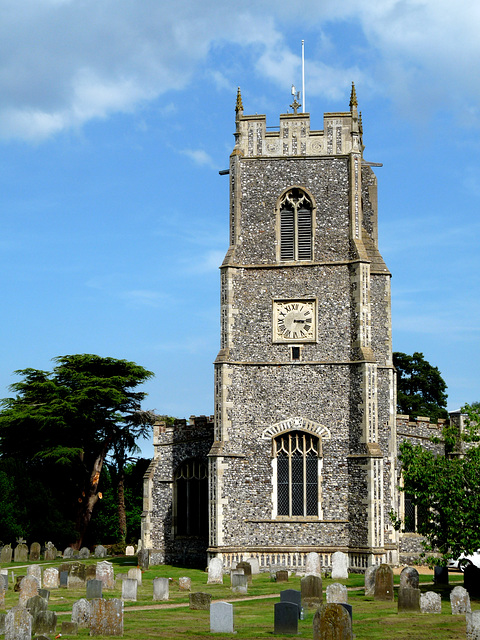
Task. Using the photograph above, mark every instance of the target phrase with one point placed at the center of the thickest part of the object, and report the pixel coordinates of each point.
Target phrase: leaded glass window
(296, 226)
(191, 498)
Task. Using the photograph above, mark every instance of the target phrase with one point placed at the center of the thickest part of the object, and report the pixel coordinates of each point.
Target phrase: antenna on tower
(303, 76)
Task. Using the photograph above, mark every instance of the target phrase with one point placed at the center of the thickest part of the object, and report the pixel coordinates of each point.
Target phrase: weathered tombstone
(311, 590)
(460, 601)
(339, 566)
(76, 576)
(36, 605)
(18, 624)
(247, 570)
(51, 578)
(69, 628)
(312, 564)
(68, 553)
(473, 625)
(185, 583)
(105, 574)
(44, 623)
(200, 601)
(28, 589)
(285, 618)
(2, 624)
(35, 570)
(332, 622)
(409, 578)
(370, 580)
(84, 553)
(4, 577)
(337, 593)
(6, 554)
(63, 579)
(100, 551)
(408, 599)
(221, 617)
(91, 572)
(292, 595)
(384, 583)
(81, 611)
(430, 602)
(235, 572)
(471, 580)
(239, 583)
(348, 608)
(215, 571)
(21, 553)
(253, 562)
(135, 573)
(50, 551)
(160, 589)
(129, 589)
(281, 576)
(2, 594)
(94, 589)
(440, 575)
(130, 551)
(35, 550)
(106, 617)
(44, 593)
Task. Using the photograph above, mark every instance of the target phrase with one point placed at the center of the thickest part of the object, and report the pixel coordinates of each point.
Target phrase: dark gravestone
(408, 599)
(471, 580)
(247, 570)
(311, 590)
(348, 608)
(291, 595)
(332, 622)
(44, 593)
(384, 583)
(281, 576)
(91, 572)
(35, 550)
(18, 580)
(286, 618)
(440, 575)
(69, 628)
(409, 578)
(64, 579)
(2, 623)
(44, 622)
(94, 589)
(200, 601)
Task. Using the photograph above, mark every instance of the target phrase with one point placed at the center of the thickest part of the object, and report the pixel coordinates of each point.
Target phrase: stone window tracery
(191, 499)
(296, 226)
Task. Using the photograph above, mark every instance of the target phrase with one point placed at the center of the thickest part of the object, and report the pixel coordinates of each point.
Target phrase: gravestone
(370, 580)
(84, 553)
(44, 593)
(2, 624)
(337, 593)
(100, 551)
(430, 602)
(471, 580)
(129, 589)
(50, 552)
(348, 608)
(63, 579)
(135, 573)
(36, 605)
(460, 601)
(21, 553)
(221, 617)
(2, 594)
(76, 576)
(35, 570)
(104, 573)
(44, 623)
(35, 550)
(292, 595)
(473, 625)
(285, 618)
(440, 575)
(6, 554)
(384, 583)
(339, 566)
(235, 572)
(254, 563)
(247, 570)
(160, 589)
(215, 571)
(408, 599)
(409, 578)
(68, 553)
(106, 618)
(69, 628)
(4, 577)
(312, 564)
(129, 551)
(18, 624)
(81, 611)
(281, 576)
(332, 622)
(28, 589)
(311, 590)
(94, 589)
(239, 583)
(200, 601)
(51, 578)
(91, 572)
(185, 583)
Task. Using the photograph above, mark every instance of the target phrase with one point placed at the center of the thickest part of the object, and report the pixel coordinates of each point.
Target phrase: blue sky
(115, 118)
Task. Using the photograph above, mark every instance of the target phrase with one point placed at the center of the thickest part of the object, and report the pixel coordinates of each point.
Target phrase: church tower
(304, 438)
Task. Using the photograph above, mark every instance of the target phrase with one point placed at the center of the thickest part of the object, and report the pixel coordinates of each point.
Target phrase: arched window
(296, 226)
(297, 458)
(191, 499)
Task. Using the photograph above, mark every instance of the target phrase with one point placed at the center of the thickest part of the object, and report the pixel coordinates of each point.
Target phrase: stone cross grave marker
(106, 618)
(215, 571)
(285, 618)
(430, 602)
(50, 551)
(160, 589)
(221, 617)
(332, 622)
(337, 593)
(384, 583)
(312, 564)
(460, 601)
(339, 566)
(311, 589)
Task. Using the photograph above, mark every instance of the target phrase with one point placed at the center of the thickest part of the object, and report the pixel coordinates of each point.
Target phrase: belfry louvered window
(191, 499)
(296, 226)
(297, 454)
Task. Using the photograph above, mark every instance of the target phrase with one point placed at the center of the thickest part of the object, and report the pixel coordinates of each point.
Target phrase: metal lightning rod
(303, 76)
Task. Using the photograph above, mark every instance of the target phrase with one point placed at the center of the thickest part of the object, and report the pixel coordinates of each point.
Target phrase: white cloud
(200, 157)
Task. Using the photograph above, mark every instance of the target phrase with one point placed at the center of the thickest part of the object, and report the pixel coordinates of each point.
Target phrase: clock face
(294, 321)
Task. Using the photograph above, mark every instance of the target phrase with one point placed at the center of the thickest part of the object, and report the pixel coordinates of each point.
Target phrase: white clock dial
(294, 321)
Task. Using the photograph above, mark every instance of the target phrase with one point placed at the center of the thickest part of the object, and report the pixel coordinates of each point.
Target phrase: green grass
(254, 618)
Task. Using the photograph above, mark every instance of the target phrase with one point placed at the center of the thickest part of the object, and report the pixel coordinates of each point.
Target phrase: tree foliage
(421, 390)
(62, 425)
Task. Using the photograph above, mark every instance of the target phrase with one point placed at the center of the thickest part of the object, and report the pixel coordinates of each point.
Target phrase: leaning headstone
(312, 564)
(84, 553)
(370, 580)
(51, 578)
(332, 622)
(135, 573)
(408, 599)
(337, 593)
(100, 551)
(221, 617)
(440, 575)
(215, 571)
(35, 570)
(339, 566)
(50, 552)
(129, 589)
(68, 553)
(28, 589)
(94, 589)
(81, 611)
(239, 583)
(160, 589)
(311, 590)
(292, 595)
(247, 570)
(430, 602)
(130, 551)
(253, 562)
(76, 576)
(185, 583)
(460, 601)
(69, 628)
(21, 553)
(285, 618)
(471, 580)
(105, 574)
(281, 576)
(200, 601)
(473, 625)
(18, 624)
(35, 550)
(409, 578)
(106, 617)
(384, 583)
(6, 554)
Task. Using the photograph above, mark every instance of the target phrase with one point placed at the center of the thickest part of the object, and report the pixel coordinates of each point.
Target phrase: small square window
(295, 353)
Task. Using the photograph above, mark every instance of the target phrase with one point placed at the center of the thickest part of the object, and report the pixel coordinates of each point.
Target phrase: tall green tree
(421, 390)
(61, 426)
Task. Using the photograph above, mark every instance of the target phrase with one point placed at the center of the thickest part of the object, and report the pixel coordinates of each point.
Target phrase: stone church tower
(303, 448)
